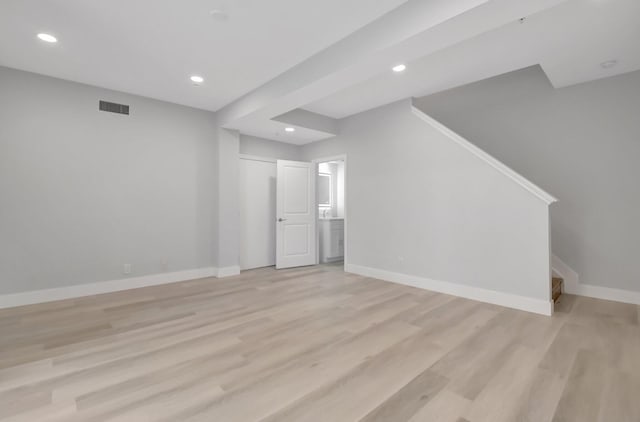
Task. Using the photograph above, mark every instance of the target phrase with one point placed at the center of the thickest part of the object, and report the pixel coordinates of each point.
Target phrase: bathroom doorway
(331, 210)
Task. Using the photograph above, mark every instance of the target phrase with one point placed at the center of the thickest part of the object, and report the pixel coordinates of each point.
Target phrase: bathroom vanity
(331, 239)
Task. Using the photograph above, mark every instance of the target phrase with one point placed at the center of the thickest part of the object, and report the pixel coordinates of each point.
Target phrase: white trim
(493, 162)
(607, 293)
(573, 286)
(337, 157)
(89, 289)
(228, 271)
(509, 300)
(257, 158)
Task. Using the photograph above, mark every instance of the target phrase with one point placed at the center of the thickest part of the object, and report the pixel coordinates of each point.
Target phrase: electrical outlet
(127, 269)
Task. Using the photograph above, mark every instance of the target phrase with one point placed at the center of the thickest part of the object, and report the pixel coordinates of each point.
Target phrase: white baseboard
(573, 286)
(606, 293)
(538, 306)
(228, 271)
(79, 290)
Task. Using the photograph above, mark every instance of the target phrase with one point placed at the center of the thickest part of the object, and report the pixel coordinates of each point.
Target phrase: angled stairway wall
(425, 210)
(581, 143)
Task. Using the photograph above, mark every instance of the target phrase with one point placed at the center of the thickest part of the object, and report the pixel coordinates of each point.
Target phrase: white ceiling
(151, 47)
(569, 41)
(275, 130)
(331, 57)
(416, 29)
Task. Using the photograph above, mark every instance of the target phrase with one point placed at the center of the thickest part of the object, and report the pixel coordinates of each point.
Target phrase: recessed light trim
(197, 79)
(289, 129)
(608, 64)
(47, 38)
(399, 68)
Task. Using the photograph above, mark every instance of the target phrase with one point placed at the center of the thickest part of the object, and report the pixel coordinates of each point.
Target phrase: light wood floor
(315, 344)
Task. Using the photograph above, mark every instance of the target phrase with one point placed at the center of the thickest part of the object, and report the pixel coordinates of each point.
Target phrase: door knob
(280, 220)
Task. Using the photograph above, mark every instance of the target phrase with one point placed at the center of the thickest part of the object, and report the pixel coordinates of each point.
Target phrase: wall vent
(114, 107)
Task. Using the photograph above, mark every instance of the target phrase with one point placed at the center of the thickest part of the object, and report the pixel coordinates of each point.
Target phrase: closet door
(257, 213)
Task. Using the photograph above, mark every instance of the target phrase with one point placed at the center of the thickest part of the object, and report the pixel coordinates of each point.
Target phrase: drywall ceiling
(151, 47)
(569, 41)
(416, 29)
(267, 59)
(275, 130)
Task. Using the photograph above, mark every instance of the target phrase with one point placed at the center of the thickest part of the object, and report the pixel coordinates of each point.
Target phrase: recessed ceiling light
(399, 68)
(47, 37)
(608, 64)
(197, 79)
(289, 129)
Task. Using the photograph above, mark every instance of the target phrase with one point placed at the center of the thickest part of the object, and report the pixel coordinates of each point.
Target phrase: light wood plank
(311, 344)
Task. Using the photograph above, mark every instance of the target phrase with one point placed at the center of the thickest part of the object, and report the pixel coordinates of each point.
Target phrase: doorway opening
(331, 210)
(292, 213)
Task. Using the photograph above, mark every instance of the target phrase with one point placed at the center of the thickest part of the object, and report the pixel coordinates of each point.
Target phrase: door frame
(316, 162)
(257, 158)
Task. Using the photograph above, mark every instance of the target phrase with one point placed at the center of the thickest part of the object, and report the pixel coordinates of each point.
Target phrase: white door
(296, 214)
(257, 213)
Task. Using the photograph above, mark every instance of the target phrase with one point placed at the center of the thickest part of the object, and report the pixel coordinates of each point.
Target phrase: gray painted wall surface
(321, 149)
(82, 192)
(228, 199)
(419, 204)
(252, 145)
(581, 144)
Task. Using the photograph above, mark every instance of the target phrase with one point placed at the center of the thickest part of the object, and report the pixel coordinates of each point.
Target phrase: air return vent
(114, 107)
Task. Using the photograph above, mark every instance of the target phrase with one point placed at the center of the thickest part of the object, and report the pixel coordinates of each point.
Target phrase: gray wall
(228, 201)
(82, 192)
(419, 204)
(581, 144)
(322, 149)
(252, 145)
